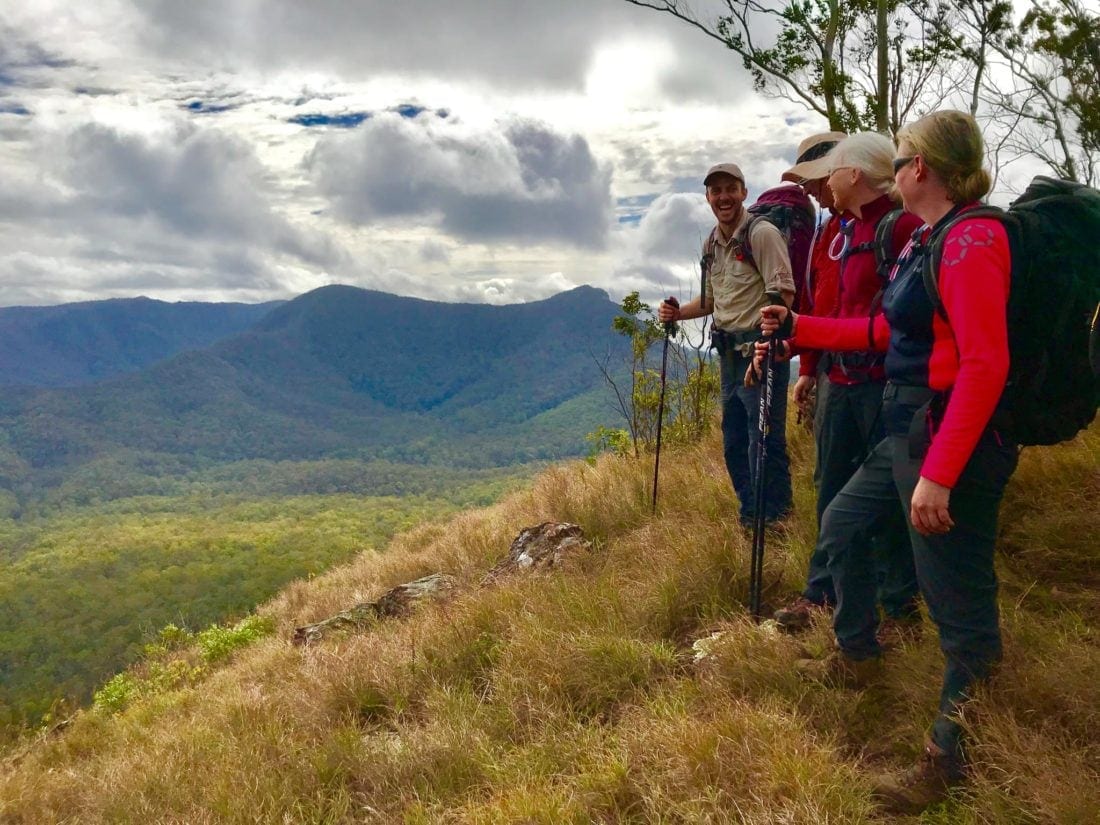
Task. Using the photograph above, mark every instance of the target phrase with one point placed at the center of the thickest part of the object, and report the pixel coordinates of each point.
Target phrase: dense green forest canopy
(337, 374)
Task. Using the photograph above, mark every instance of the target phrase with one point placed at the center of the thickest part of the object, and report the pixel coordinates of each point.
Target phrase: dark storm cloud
(20, 56)
(188, 210)
(523, 182)
(199, 183)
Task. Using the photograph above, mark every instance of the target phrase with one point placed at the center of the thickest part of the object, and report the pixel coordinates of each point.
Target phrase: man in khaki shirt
(736, 288)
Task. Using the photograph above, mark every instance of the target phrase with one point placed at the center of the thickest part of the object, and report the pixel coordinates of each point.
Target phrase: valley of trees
(84, 588)
(138, 490)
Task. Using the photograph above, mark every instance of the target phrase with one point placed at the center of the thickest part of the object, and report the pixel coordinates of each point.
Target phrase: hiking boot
(897, 631)
(798, 614)
(840, 670)
(924, 784)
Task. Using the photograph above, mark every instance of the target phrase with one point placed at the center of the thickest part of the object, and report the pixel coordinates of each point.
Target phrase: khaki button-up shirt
(737, 287)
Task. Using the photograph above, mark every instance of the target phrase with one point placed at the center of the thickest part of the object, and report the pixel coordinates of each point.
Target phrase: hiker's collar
(733, 229)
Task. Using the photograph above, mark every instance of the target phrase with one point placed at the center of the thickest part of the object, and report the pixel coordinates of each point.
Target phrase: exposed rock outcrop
(396, 602)
(548, 546)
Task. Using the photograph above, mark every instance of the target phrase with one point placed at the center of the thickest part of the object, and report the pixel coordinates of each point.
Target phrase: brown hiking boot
(797, 615)
(924, 784)
(897, 631)
(840, 670)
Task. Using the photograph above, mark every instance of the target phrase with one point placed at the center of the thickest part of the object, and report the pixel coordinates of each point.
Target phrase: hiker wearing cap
(736, 289)
(819, 297)
(942, 459)
(848, 422)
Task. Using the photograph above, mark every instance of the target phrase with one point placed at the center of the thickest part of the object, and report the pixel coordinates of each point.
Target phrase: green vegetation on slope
(82, 589)
(572, 698)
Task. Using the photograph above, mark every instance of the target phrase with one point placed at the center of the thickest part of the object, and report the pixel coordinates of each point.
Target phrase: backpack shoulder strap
(705, 264)
(934, 256)
(743, 238)
(884, 244)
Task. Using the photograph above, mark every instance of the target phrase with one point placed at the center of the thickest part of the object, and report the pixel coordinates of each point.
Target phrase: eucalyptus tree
(1049, 106)
(860, 64)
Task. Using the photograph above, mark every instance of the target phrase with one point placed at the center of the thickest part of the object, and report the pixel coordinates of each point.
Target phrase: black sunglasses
(901, 163)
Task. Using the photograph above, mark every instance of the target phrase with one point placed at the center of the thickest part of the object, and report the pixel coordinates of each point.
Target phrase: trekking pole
(670, 330)
(756, 570)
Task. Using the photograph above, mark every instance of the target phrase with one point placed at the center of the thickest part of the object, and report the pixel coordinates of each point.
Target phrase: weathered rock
(550, 545)
(392, 604)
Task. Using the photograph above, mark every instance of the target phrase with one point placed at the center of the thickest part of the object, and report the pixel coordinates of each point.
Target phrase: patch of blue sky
(347, 120)
(409, 110)
(14, 109)
(638, 200)
(202, 107)
(630, 210)
(688, 184)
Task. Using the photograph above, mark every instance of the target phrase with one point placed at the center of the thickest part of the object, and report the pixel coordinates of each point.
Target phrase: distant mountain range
(338, 372)
(75, 344)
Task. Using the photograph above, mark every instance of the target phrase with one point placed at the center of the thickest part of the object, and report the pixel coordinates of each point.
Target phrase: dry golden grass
(571, 698)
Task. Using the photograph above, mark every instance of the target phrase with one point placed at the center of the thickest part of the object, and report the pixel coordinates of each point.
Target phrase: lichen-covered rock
(393, 603)
(547, 546)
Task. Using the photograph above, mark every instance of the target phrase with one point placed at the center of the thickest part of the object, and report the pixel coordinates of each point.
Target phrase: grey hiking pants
(955, 570)
(848, 422)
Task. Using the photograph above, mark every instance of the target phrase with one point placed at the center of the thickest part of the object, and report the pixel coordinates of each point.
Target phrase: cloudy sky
(462, 150)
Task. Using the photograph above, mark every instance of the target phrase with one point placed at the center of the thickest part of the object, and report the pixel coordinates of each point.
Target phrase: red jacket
(859, 278)
(821, 287)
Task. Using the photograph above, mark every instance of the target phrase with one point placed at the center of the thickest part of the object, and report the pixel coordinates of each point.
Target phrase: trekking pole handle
(787, 325)
(670, 326)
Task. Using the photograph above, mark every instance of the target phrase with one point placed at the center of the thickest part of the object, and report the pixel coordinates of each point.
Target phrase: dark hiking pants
(955, 570)
(740, 435)
(847, 424)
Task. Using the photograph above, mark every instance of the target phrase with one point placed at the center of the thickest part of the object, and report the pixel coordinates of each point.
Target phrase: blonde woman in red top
(942, 460)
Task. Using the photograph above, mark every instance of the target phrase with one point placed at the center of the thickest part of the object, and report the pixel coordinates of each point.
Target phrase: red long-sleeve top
(968, 356)
(859, 281)
(824, 281)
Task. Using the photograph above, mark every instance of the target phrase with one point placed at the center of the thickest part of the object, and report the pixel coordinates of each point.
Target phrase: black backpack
(1053, 387)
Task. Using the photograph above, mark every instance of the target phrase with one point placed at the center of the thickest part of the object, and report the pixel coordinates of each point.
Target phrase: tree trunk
(828, 70)
(882, 97)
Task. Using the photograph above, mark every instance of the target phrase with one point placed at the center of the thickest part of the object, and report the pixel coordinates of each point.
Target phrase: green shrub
(217, 642)
(117, 693)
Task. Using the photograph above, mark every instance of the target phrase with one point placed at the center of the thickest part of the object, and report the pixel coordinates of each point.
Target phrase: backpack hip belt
(742, 341)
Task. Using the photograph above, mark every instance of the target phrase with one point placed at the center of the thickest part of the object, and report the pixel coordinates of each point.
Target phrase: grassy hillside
(572, 698)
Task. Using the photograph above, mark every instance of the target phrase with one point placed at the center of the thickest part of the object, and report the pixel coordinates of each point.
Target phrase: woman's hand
(928, 511)
(777, 318)
(803, 388)
(756, 369)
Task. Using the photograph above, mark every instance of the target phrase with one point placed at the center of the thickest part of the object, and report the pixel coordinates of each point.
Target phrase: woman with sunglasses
(942, 459)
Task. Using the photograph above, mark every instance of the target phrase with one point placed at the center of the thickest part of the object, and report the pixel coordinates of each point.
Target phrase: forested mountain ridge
(82, 343)
(339, 372)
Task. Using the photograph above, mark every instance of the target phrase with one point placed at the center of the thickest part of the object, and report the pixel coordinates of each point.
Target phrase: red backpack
(789, 209)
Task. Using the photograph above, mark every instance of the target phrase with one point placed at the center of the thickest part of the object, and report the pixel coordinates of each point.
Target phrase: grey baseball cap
(731, 169)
